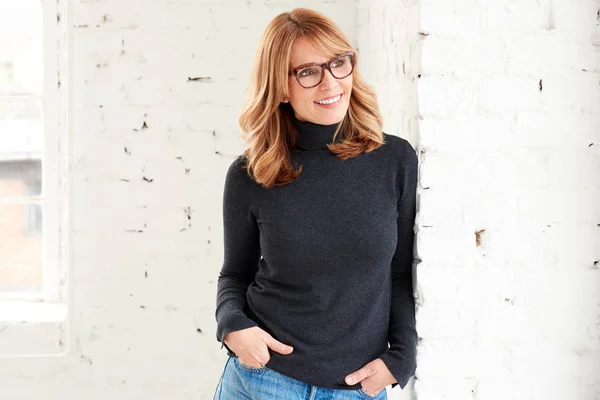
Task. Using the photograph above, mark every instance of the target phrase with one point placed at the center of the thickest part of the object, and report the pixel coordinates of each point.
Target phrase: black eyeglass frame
(325, 65)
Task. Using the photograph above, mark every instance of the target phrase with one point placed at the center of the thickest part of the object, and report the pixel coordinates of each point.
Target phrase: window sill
(26, 311)
(32, 329)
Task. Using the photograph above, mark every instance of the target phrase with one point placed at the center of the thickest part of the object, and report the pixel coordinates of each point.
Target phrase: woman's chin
(332, 118)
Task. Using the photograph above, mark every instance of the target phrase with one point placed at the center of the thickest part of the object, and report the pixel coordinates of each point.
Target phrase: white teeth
(330, 101)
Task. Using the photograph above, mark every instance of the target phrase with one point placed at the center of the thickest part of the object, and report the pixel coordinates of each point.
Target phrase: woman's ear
(285, 100)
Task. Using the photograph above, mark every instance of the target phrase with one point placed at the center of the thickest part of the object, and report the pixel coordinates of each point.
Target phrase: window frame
(50, 305)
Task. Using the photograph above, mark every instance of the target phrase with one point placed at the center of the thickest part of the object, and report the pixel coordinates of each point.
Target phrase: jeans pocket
(365, 395)
(247, 368)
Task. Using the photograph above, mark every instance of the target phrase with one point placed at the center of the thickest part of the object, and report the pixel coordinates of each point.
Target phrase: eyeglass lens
(311, 76)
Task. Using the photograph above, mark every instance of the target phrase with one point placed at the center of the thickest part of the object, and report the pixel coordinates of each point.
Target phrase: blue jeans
(239, 381)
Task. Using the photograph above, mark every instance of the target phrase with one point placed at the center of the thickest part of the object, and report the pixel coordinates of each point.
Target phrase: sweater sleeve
(241, 252)
(400, 358)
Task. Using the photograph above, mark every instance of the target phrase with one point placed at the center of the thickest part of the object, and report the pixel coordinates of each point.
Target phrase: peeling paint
(188, 214)
(478, 235)
(144, 126)
(200, 79)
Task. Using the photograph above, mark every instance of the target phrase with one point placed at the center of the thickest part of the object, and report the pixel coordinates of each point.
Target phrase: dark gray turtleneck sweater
(324, 263)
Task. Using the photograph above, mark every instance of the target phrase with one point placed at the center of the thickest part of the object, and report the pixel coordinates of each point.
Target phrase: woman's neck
(313, 136)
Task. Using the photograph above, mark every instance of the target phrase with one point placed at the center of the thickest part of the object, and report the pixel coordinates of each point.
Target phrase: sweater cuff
(232, 323)
(401, 367)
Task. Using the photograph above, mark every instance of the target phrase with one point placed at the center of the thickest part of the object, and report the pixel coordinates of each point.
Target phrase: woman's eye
(306, 72)
(337, 63)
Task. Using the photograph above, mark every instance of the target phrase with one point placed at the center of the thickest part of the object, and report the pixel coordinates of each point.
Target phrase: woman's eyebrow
(305, 65)
(312, 63)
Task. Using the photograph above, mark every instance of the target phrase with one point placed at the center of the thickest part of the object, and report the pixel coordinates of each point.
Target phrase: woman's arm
(241, 252)
(402, 335)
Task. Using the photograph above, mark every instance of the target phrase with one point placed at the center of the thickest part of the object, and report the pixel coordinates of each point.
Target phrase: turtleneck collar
(313, 136)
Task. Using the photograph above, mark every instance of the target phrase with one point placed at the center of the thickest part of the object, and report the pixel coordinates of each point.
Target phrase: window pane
(21, 144)
(21, 46)
(20, 247)
(20, 178)
(21, 148)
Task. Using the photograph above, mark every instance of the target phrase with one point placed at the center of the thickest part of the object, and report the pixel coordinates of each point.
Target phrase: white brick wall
(516, 317)
(509, 138)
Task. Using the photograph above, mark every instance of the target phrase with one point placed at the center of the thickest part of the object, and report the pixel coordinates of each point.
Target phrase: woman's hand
(252, 345)
(373, 377)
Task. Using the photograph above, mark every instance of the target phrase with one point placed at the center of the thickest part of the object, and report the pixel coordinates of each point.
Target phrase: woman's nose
(328, 80)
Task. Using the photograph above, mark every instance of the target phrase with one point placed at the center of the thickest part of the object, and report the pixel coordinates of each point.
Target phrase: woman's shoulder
(239, 162)
(400, 147)
(394, 140)
(238, 171)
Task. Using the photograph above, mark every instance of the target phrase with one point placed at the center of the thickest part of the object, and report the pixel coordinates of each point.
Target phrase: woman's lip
(332, 97)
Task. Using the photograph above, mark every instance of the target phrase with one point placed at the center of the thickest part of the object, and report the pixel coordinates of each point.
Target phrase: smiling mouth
(330, 100)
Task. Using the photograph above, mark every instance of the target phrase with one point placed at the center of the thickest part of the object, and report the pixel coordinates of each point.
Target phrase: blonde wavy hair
(268, 124)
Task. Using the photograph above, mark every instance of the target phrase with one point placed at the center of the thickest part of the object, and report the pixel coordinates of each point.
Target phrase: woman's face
(303, 101)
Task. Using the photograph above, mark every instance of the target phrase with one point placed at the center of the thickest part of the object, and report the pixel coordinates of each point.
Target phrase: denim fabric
(240, 381)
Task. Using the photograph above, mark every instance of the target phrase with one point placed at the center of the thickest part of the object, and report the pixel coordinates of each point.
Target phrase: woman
(318, 229)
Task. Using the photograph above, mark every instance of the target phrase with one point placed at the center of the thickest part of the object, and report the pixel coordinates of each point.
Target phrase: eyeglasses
(312, 75)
